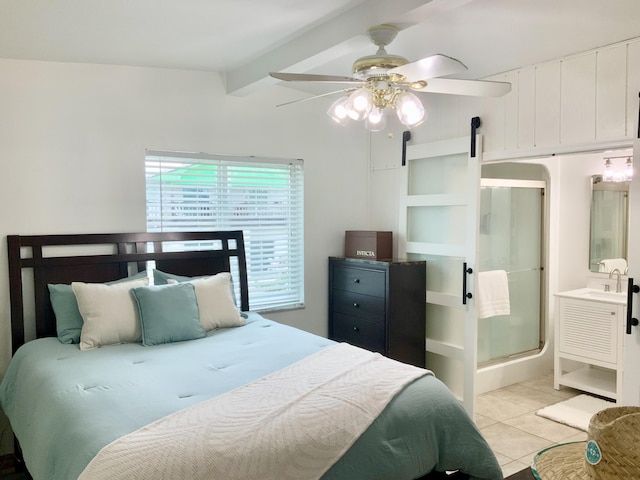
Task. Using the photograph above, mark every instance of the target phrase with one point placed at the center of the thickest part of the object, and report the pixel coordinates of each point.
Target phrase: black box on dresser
(380, 306)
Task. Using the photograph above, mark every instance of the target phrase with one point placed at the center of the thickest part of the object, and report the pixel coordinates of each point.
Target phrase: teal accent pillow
(168, 313)
(65, 307)
(162, 278)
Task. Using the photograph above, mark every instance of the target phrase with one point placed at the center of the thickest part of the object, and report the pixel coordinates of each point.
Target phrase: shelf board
(595, 380)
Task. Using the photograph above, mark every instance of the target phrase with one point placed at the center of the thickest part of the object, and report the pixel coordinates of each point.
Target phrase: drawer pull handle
(356, 329)
(356, 305)
(356, 280)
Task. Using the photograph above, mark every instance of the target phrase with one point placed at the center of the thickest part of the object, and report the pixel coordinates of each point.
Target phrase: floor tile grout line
(538, 388)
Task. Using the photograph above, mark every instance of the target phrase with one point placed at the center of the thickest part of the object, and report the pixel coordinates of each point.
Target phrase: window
(261, 196)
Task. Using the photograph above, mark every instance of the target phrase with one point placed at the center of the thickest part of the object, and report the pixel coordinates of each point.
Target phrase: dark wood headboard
(37, 260)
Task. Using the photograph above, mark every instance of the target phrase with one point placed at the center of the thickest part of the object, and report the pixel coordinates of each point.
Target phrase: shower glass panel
(511, 232)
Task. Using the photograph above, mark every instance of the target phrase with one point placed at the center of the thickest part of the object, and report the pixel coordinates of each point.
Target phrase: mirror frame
(598, 184)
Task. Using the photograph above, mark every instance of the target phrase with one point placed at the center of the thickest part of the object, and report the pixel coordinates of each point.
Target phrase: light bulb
(338, 111)
(409, 109)
(628, 171)
(376, 120)
(359, 104)
(608, 171)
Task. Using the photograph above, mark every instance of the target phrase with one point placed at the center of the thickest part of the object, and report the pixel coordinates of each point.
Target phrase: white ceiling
(245, 39)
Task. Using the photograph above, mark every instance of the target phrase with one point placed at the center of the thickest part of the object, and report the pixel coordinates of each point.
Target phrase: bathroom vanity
(589, 333)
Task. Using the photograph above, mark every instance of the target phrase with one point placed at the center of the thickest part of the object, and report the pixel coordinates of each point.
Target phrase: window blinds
(261, 196)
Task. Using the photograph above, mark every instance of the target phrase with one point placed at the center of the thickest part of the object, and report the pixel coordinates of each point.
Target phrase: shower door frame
(542, 185)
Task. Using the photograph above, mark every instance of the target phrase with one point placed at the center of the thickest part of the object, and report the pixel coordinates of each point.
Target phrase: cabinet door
(578, 99)
(589, 330)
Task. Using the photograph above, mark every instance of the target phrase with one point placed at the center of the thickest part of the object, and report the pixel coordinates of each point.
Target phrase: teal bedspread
(64, 404)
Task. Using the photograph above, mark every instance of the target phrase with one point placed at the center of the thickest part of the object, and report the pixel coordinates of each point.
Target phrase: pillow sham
(168, 313)
(215, 302)
(65, 307)
(109, 313)
(162, 278)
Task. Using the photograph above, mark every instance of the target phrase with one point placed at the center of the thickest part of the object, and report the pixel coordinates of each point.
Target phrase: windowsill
(300, 306)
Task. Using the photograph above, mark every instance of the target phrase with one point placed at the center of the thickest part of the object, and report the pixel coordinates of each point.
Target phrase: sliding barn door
(631, 370)
(439, 224)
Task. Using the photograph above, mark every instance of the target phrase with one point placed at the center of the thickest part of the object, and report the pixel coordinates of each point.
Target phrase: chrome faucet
(618, 281)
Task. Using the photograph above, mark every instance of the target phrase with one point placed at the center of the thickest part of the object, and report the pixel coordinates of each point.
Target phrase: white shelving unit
(589, 343)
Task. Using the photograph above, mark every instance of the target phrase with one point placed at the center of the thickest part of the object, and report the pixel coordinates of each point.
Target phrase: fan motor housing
(376, 66)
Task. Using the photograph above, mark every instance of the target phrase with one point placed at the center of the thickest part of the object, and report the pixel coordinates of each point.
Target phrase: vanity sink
(597, 295)
(589, 333)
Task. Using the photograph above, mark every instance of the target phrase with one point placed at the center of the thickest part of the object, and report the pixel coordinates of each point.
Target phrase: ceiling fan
(384, 82)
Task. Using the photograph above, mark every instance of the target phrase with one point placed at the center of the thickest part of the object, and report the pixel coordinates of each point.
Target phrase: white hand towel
(492, 294)
(609, 264)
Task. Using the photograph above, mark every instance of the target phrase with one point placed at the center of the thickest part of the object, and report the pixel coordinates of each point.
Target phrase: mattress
(65, 405)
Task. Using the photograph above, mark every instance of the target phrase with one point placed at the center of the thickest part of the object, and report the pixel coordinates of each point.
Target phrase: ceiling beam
(337, 37)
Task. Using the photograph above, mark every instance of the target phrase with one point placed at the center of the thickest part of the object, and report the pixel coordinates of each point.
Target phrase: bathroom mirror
(609, 225)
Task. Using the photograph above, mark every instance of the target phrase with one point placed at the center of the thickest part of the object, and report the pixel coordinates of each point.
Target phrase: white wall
(575, 203)
(72, 145)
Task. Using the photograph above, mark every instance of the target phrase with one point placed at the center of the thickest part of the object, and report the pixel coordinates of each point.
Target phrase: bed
(186, 396)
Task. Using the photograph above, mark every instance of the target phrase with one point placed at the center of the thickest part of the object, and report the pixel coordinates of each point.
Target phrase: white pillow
(215, 302)
(108, 312)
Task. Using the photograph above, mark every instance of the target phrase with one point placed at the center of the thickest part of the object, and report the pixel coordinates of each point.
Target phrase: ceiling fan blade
(476, 88)
(311, 98)
(307, 77)
(429, 67)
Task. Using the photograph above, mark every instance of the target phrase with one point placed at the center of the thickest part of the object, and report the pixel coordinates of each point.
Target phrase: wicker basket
(616, 431)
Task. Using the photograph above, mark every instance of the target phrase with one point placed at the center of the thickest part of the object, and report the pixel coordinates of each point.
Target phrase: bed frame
(37, 260)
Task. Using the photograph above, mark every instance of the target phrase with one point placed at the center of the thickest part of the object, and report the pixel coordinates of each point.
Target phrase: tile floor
(507, 419)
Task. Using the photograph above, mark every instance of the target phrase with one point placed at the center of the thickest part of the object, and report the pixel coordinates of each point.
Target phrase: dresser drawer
(359, 331)
(358, 305)
(359, 280)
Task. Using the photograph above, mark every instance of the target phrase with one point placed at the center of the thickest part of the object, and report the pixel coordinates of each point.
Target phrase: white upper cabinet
(611, 92)
(547, 105)
(578, 99)
(633, 88)
(592, 97)
(526, 104)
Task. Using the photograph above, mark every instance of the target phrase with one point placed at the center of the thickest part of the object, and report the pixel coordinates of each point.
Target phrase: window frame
(262, 196)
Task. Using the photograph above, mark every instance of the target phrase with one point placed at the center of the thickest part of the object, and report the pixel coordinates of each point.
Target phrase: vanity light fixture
(612, 175)
(608, 170)
(628, 171)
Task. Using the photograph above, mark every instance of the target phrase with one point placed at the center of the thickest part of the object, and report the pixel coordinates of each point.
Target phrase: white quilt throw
(293, 424)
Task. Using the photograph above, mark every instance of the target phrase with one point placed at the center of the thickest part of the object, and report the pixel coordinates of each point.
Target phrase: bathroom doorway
(512, 238)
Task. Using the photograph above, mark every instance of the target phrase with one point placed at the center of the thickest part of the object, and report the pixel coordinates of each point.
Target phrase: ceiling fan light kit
(383, 82)
(371, 103)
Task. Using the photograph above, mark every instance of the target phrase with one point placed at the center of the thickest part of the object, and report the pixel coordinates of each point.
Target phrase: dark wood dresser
(380, 306)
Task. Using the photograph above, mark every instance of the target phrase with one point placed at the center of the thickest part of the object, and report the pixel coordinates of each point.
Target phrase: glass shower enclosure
(512, 239)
